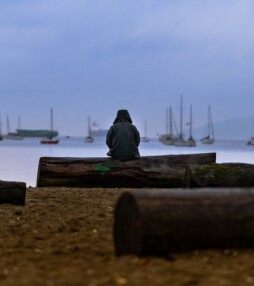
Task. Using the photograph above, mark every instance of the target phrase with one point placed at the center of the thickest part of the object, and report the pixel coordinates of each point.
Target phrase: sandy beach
(63, 236)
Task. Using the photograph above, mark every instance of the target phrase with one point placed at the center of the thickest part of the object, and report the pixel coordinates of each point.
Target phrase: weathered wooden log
(221, 175)
(12, 193)
(162, 222)
(150, 171)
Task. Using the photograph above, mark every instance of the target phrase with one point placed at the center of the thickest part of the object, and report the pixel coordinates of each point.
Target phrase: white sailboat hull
(207, 140)
(185, 143)
(144, 139)
(167, 140)
(191, 143)
(89, 139)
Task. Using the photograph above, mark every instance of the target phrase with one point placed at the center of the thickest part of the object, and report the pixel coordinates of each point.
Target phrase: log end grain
(127, 226)
(12, 193)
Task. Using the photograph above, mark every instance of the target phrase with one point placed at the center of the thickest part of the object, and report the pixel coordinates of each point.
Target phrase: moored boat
(251, 141)
(191, 141)
(209, 139)
(89, 138)
(180, 141)
(97, 131)
(11, 135)
(144, 138)
(50, 139)
(36, 133)
(168, 138)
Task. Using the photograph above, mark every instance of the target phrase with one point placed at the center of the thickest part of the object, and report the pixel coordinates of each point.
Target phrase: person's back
(123, 138)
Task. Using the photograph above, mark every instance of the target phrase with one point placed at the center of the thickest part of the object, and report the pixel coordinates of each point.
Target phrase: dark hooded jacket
(123, 138)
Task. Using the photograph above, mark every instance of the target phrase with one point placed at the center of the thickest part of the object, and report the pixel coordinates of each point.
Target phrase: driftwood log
(221, 175)
(162, 222)
(150, 171)
(12, 193)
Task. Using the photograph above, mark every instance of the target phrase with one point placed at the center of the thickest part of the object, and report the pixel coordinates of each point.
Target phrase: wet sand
(63, 236)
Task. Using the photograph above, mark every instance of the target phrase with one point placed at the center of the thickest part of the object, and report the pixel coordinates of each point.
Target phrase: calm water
(19, 158)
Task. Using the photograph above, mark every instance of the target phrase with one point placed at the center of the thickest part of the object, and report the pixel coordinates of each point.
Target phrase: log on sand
(151, 171)
(12, 193)
(221, 175)
(162, 222)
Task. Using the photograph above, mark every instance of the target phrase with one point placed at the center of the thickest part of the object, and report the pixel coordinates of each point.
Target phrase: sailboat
(181, 142)
(16, 136)
(144, 138)
(209, 139)
(11, 135)
(168, 138)
(50, 139)
(191, 142)
(251, 141)
(180, 138)
(89, 138)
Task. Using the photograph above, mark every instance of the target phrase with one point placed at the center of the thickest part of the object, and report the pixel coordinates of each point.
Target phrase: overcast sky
(93, 57)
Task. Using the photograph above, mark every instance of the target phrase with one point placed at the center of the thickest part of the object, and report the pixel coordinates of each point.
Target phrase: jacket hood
(122, 115)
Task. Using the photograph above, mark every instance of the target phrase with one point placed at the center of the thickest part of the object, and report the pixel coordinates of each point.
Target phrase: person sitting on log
(123, 138)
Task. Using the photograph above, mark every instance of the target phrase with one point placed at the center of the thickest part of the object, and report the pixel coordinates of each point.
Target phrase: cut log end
(12, 193)
(127, 226)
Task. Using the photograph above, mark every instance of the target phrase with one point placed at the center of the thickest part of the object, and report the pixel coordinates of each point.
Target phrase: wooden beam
(12, 193)
(150, 171)
(162, 222)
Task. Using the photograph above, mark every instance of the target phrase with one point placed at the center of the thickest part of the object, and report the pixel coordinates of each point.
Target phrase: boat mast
(174, 123)
(51, 123)
(8, 128)
(145, 128)
(211, 123)
(170, 123)
(167, 121)
(181, 117)
(89, 127)
(191, 122)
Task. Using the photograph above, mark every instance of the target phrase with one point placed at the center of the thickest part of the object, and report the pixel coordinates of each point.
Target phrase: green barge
(37, 133)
